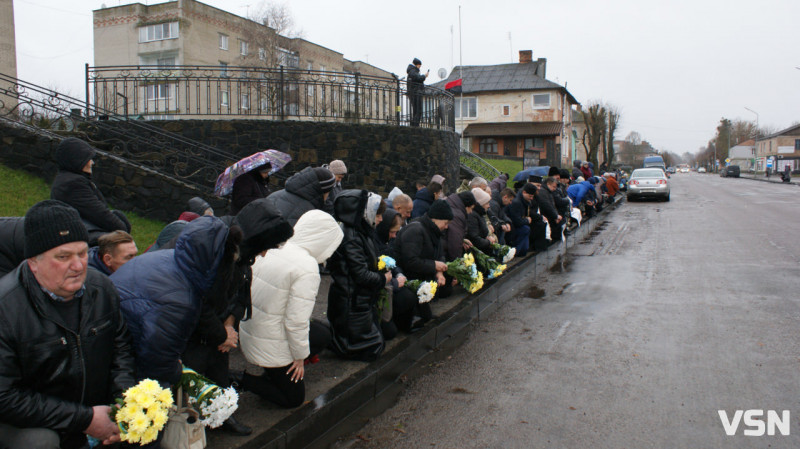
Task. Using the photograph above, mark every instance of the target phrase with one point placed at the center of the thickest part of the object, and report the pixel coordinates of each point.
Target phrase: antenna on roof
(510, 49)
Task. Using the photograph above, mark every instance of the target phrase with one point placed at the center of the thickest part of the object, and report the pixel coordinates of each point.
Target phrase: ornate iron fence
(168, 153)
(477, 165)
(252, 92)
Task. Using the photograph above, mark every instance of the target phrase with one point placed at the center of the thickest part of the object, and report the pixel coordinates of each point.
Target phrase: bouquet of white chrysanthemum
(215, 404)
(466, 273)
(487, 264)
(425, 290)
(504, 251)
(143, 412)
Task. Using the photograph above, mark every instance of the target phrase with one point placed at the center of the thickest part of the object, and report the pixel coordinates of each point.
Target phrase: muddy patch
(535, 292)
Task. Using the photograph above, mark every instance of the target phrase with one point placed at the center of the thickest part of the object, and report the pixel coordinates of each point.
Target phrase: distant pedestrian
(415, 86)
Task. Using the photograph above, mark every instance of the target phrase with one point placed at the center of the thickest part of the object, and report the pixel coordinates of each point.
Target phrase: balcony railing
(158, 92)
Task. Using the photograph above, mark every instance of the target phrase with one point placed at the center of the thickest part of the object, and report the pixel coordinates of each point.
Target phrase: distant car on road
(732, 171)
(671, 170)
(701, 170)
(684, 169)
(648, 183)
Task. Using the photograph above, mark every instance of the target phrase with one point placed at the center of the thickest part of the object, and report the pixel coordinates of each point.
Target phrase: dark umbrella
(533, 171)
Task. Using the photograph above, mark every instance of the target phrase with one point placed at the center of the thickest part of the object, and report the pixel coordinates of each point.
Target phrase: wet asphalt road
(674, 311)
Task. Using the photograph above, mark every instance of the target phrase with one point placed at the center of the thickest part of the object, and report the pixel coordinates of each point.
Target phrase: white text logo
(754, 422)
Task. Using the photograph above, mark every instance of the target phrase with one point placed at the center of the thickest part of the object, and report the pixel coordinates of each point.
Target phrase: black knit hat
(72, 154)
(263, 227)
(564, 173)
(326, 179)
(416, 62)
(440, 210)
(554, 171)
(467, 198)
(52, 223)
(530, 189)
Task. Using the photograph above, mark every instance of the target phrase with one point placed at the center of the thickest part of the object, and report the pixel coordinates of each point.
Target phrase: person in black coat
(12, 243)
(455, 235)
(73, 185)
(385, 234)
(548, 208)
(304, 191)
(497, 213)
(250, 186)
(357, 282)
(424, 198)
(538, 242)
(519, 214)
(415, 86)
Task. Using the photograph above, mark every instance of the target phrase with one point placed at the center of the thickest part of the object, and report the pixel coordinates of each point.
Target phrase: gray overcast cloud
(674, 68)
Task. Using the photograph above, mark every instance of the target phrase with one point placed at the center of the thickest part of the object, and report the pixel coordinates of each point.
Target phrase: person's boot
(234, 427)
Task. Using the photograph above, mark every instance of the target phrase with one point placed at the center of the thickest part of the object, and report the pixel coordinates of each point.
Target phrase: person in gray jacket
(305, 190)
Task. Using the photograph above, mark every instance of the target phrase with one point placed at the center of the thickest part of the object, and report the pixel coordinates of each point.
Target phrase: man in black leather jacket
(65, 350)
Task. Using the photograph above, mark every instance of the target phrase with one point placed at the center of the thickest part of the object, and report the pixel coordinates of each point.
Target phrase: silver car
(648, 183)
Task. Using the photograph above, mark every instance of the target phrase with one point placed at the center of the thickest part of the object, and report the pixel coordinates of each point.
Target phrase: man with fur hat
(53, 395)
(414, 87)
(73, 185)
(339, 171)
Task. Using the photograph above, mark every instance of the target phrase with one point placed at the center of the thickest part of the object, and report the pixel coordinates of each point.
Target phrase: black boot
(234, 427)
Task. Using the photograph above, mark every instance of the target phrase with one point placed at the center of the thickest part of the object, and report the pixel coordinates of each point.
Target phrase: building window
(287, 58)
(796, 144)
(467, 107)
(488, 146)
(223, 69)
(158, 32)
(541, 101)
(506, 110)
(166, 62)
(223, 98)
(262, 54)
(223, 41)
(534, 142)
(159, 92)
(310, 66)
(243, 48)
(245, 102)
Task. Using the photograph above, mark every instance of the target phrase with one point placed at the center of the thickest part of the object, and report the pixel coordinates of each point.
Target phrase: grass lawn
(20, 190)
(506, 166)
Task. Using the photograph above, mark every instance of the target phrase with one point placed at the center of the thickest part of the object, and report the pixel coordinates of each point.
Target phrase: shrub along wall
(378, 158)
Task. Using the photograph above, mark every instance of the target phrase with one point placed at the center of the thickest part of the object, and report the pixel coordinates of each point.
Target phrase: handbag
(184, 429)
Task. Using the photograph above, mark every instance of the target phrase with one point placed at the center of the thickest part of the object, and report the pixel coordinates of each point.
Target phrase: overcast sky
(674, 68)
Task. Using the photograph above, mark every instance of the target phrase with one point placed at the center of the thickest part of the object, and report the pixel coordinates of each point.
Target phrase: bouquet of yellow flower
(386, 263)
(214, 403)
(487, 264)
(466, 273)
(503, 251)
(426, 290)
(143, 412)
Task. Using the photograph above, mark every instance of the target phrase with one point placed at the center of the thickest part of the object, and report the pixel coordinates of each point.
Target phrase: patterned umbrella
(224, 185)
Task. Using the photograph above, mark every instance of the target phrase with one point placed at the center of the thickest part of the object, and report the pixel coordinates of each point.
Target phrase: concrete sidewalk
(343, 393)
(776, 179)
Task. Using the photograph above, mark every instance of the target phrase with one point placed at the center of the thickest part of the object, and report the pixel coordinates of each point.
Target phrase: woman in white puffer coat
(284, 289)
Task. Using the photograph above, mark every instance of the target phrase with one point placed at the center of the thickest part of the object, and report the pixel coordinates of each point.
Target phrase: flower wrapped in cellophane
(505, 252)
(214, 403)
(466, 273)
(143, 412)
(425, 290)
(386, 263)
(487, 264)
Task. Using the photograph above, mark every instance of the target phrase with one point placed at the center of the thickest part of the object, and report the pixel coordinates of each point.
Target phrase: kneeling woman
(278, 336)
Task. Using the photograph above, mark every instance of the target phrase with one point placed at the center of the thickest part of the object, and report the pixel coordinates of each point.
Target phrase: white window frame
(159, 91)
(503, 109)
(244, 102)
(223, 41)
(262, 54)
(224, 100)
(468, 101)
(541, 105)
(159, 32)
(243, 47)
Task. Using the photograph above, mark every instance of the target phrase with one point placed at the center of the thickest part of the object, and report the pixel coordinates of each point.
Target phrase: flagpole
(461, 75)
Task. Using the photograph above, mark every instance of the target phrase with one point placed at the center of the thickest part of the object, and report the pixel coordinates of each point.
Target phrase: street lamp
(754, 158)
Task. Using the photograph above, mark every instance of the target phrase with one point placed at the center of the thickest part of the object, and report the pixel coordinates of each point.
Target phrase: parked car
(671, 170)
(732, 171)
(648, 183)
(701, 170)
(684, 169)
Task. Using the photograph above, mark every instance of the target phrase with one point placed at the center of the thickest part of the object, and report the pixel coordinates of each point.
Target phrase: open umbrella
(533, 171)
(224, 184)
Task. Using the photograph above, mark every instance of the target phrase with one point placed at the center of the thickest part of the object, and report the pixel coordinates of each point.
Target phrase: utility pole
(755, 137)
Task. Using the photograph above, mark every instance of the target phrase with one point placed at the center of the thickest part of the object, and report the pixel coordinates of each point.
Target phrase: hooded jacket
(478, 231)
(457, 229)
(415, 80)
(301, 194)
(12, 243)
(248, 187)
(97, 263)
(356, 282)
(499, 183)
(284, 289)
(51, 376)
(76, 188)
(418, 246)
(422, 202)
(577, 192)
(161, 294)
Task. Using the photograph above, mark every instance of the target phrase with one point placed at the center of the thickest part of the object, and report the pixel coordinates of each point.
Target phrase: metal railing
(477, 165)
(163, 92)
(170, 154)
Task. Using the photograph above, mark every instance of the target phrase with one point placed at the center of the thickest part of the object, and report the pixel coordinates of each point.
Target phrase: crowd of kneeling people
(73, 339)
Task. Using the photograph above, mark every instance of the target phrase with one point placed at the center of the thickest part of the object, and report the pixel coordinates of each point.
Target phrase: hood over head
(72, 154)
(199, 250)
(371, 210)
(349, 206)
(576, 163)
(318, 233)
(305, 184)
(394, 193)
(385, 226)
(199, 206)
(263, 227)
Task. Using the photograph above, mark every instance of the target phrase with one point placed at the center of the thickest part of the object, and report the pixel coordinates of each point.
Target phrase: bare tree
(613, 121)
(596, 125)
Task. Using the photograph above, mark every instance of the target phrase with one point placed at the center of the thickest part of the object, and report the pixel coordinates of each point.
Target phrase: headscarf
(373, 203)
